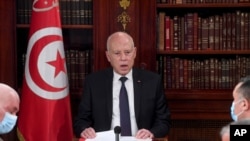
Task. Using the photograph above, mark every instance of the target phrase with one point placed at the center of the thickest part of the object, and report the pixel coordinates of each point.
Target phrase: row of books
(212, 73)
(201, 1)
(73, 12)
(193, 31)
(79, 64)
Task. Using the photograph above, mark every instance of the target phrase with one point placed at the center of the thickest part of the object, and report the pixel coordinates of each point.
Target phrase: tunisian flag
(45, 113)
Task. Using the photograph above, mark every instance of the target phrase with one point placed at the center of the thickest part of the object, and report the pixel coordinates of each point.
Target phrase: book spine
(216, 74)
(229, 31)
(233, 34)
(161, 33)
(173, 76)
(211, 33)
(82, 12)
(189, 69)
(169, 72)
(177, 72)
(68, 12)
(199, 33)
(238, 25)
(185, 73)
(89, 11)
(182, 33)
(20, 11)
(242, 28)
(81, 68)
(175, 32)
(181, 73)
(216, 32)
(63, 10)
(204, 35)
(164, 74)
(221, 33)
(190, 31)
(195, 31)
(224, 32)
(172, 34)
(246, 30)
(212, 73)
(207, 74)
(167, 33)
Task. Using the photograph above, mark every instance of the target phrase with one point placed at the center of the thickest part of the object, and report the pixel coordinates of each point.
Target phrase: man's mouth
(123, 66)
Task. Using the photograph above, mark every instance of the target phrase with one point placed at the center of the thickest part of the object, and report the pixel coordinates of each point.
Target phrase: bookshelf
(202, 51)
(14, 34)
(201, 112)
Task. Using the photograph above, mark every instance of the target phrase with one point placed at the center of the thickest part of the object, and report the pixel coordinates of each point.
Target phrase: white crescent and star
(45, 70)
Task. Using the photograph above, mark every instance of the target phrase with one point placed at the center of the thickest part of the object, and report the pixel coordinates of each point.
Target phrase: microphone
(117, 131)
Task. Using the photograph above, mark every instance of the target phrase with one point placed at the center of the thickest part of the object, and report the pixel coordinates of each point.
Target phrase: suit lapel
(109, 91)
(137, 92)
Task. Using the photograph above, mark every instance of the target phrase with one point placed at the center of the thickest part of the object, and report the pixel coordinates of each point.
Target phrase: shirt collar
(118, 76)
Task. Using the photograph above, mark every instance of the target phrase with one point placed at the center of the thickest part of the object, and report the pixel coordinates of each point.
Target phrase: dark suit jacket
(151, 110)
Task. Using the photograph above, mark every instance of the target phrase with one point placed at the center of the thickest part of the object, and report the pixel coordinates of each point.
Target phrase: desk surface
(160, 139)
(156, 139)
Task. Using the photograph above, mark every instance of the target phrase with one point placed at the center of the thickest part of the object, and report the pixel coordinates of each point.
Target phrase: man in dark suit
(99, 108)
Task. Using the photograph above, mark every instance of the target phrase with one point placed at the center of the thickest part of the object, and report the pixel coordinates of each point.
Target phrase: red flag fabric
(45, 113)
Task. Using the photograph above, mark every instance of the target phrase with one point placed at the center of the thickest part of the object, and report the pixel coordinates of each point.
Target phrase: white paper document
(110, 136)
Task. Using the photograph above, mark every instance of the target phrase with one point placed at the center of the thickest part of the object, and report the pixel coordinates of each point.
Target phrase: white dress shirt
(116, 110)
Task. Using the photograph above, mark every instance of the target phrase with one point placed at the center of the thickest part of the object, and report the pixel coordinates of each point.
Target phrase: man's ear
(135, 50)
(246, 104)
(107, 55)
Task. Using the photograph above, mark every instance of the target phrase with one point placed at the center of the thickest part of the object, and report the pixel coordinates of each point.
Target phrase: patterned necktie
(124, 110)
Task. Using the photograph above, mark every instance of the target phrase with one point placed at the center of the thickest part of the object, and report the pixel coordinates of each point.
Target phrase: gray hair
(119, 33)
(244, 88)
(226, 129)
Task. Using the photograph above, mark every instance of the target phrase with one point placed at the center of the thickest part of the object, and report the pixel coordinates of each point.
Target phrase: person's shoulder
(101, 73)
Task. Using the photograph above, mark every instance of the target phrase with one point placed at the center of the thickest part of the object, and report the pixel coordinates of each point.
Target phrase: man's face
(239, 101)
(225, 137)
(10, 104)
(121, 55)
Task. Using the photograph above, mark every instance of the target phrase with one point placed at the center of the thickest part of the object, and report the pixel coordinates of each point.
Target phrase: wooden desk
(160, 139)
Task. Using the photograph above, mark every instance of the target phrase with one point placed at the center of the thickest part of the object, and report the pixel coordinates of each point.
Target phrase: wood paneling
(141, 28)
(196, 130)
(199, 104)
(7, 42)
(7, 50)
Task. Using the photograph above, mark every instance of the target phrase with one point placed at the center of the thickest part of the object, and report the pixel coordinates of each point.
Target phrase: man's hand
(88, 133)
(144, 134)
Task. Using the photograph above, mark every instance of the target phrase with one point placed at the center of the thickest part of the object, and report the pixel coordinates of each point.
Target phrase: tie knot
(123, 79)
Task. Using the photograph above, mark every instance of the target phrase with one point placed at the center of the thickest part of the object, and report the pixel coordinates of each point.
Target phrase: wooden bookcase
(201, 112)
(200, 109)
(14, 38)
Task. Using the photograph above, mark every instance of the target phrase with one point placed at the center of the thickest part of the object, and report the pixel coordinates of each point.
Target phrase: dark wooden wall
(7, 50)
(7, 43)
(200, 109)
(142, 19)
